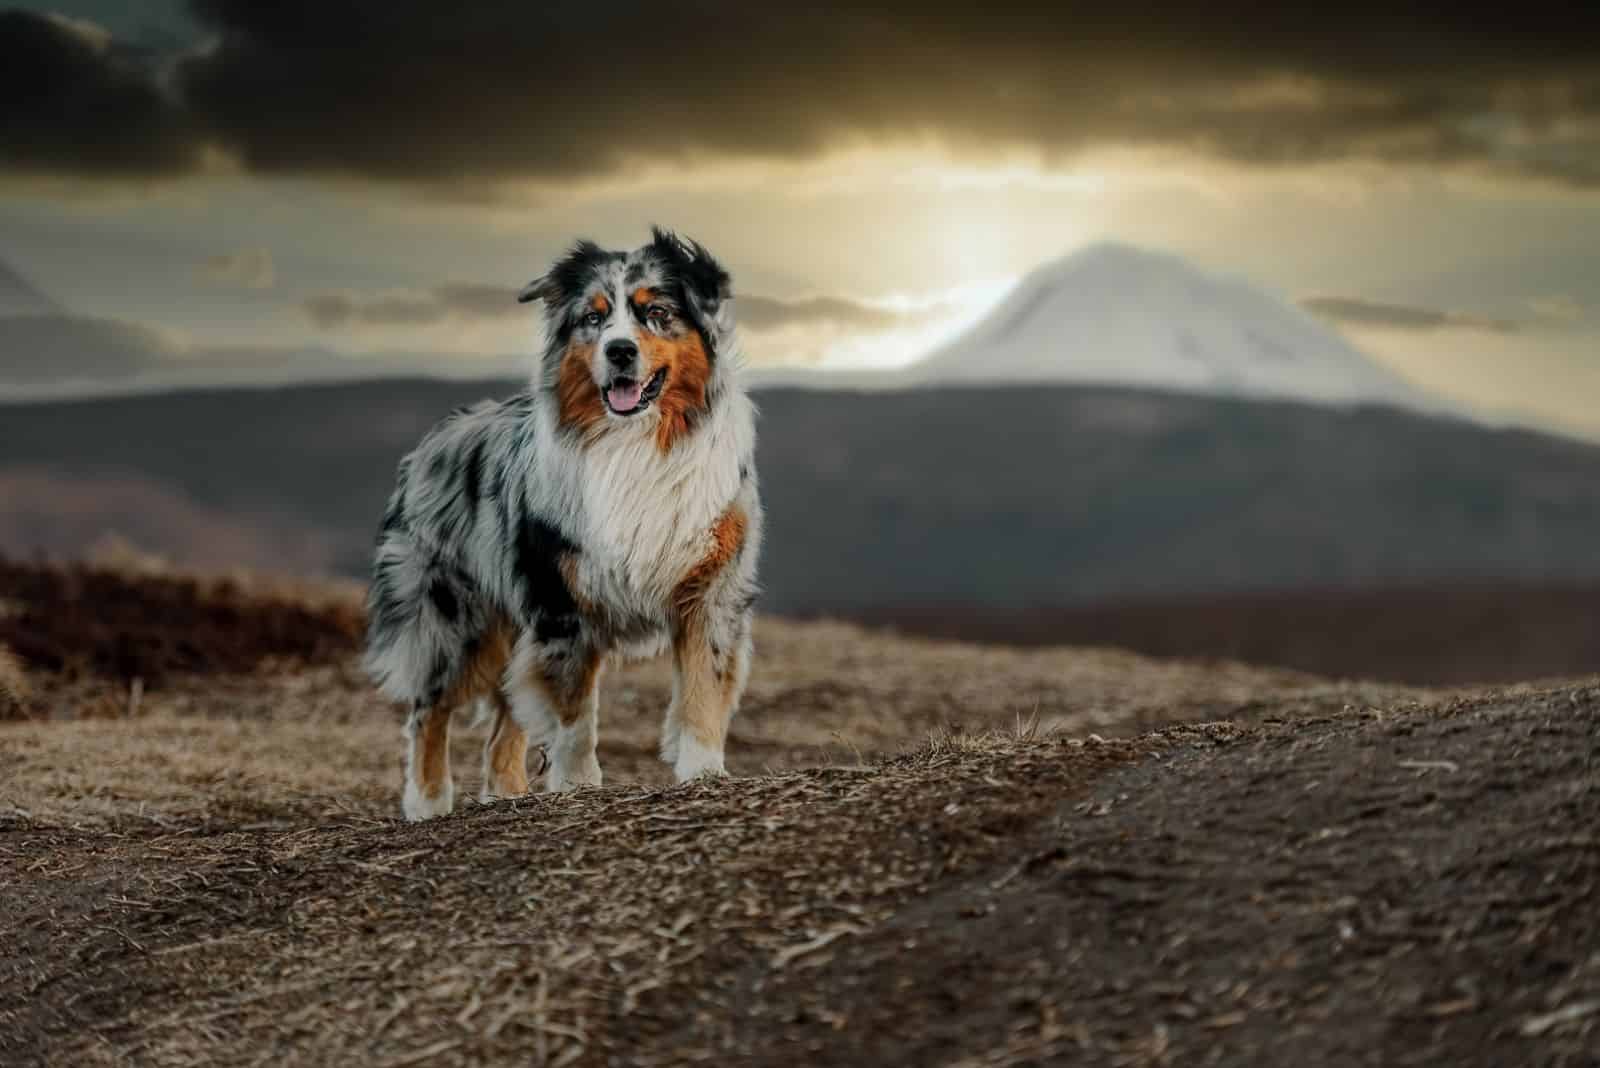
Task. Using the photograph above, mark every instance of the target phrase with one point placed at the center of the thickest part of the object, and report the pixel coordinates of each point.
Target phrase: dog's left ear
(706, 285)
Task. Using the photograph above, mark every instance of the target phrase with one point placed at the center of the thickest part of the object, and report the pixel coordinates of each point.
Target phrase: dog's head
(634, 337)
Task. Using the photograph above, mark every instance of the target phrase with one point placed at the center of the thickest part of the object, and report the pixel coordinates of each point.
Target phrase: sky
(282, 188)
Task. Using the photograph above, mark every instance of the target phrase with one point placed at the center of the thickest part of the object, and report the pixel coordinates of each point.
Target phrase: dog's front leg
(555, 697)
(711, 652)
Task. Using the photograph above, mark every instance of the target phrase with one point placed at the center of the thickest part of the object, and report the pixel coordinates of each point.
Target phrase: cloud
(73, 103)
(455, 301)
(42, 354)
(768, 313)
(1557, 307)
(1354, 311)
(472, 302)
(497, 91)
(247, 268)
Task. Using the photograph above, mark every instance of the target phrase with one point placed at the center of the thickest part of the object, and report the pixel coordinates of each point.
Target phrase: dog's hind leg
(429, 789)
(462, 670)
(505, 754)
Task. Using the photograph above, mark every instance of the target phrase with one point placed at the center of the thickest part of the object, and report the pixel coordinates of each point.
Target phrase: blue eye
(593, 318)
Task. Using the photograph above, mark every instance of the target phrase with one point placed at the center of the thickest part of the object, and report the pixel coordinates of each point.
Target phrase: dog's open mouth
(627, 396)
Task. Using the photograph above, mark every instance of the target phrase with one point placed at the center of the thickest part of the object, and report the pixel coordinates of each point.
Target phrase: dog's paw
(488, 795)
(580, 773)
(694, 760)
(417, 806)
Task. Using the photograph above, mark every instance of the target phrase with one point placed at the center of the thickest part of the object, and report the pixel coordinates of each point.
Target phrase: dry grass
(293, 743)
(127, 624)
(547, 931)
(213, 872)
(15, 692)
(854, 914)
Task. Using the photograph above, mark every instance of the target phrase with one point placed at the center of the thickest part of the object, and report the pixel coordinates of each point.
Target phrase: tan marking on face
(579, 404)
(683, 398)
(643, 297)
(600, 303)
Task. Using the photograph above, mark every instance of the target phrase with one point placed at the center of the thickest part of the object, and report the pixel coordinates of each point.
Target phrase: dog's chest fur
(642, 520)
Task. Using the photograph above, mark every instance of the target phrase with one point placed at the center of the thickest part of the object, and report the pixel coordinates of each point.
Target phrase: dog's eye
(658, 314)
(593, 319)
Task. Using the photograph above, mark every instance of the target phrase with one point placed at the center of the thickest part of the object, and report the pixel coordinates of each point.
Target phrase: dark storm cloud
(1354, 311)
(74, 102)
(421, 91)
(453, 301)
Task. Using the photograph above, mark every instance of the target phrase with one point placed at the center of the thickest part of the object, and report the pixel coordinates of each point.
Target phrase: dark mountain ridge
(1031, 495)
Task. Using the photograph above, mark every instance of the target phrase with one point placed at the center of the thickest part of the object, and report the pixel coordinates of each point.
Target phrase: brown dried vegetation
(83, 621)
(933, 853)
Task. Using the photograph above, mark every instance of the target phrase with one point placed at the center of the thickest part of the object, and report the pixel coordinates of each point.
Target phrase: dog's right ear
(566, 277)
(538, 289)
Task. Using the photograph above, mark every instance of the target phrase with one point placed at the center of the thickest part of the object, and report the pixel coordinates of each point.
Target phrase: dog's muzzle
(628, 396)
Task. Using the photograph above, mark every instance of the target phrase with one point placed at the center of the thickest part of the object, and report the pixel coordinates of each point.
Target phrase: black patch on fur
(387, 611)
(440, 674)
(569, 276)
(556, 628)
(444, 599)
(546, 601)
(394, 513)
(394, 516)
(472, 487)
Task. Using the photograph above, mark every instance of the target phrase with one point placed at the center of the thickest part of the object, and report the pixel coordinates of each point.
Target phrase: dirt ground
(929, 853)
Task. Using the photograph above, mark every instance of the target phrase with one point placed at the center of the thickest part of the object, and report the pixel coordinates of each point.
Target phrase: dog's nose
(621, 354)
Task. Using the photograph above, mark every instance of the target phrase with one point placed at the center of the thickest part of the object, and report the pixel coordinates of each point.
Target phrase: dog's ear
(538, 289)
(566, 277)
(706, 284)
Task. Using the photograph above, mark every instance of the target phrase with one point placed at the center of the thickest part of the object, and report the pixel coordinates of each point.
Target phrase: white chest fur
(643, 518)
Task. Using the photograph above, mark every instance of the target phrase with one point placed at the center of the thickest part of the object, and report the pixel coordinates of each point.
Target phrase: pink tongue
(624, 398)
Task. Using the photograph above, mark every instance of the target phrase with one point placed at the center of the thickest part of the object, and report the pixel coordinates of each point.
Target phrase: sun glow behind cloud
(930, 321)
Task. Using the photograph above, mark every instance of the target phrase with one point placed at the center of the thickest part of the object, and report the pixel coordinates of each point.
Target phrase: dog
(610, 511)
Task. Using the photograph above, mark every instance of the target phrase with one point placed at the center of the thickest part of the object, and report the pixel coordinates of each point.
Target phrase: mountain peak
(1119, 314)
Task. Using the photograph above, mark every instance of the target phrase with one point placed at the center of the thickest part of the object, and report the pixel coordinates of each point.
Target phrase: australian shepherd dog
(612, 509)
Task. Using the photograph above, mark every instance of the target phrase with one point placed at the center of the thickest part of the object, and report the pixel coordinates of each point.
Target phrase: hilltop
(929, 852)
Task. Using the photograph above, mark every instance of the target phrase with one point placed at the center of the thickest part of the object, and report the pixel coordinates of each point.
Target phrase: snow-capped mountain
(1114, 314)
